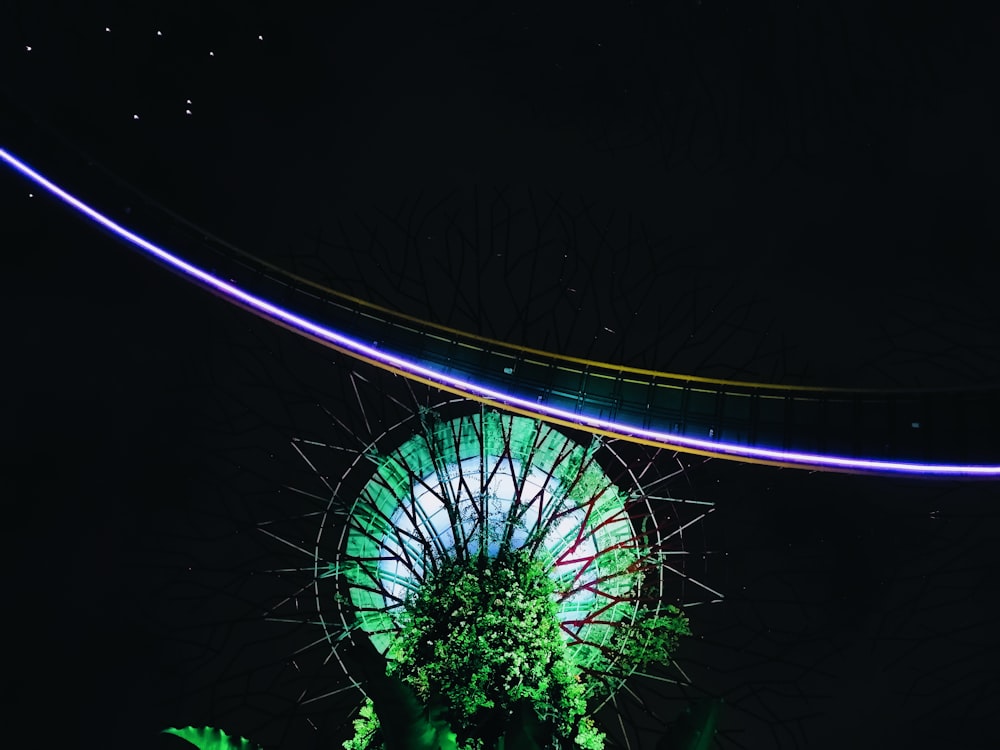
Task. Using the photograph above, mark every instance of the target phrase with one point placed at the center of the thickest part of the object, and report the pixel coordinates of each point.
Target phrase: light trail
(413, 369)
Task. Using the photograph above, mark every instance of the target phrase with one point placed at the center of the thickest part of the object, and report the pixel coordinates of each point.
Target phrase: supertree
(499, 569)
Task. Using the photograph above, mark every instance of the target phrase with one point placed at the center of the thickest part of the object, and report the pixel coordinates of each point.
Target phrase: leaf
(694, 728)
(210, 738)
(404, 722)
(526, 731)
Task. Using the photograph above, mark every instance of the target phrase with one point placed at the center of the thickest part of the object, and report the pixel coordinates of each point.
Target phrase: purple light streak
(303, 325)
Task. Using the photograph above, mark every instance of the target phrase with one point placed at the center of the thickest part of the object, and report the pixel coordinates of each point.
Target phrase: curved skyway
(931, 432)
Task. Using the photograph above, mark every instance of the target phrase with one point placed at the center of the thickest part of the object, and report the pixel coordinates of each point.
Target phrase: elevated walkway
(930, 432)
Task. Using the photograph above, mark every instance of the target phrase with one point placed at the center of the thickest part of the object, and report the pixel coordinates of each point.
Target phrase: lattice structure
(488, 482)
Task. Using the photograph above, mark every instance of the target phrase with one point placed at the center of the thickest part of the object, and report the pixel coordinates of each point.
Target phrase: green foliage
(365, 727)
(588, 736)
(483, 639)
(651, 638)
(483, 636)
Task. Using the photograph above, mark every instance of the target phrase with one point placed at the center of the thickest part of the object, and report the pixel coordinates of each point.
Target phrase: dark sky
(800, 192)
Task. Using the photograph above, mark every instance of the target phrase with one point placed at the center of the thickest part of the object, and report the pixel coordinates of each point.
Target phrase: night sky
(795, 192)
